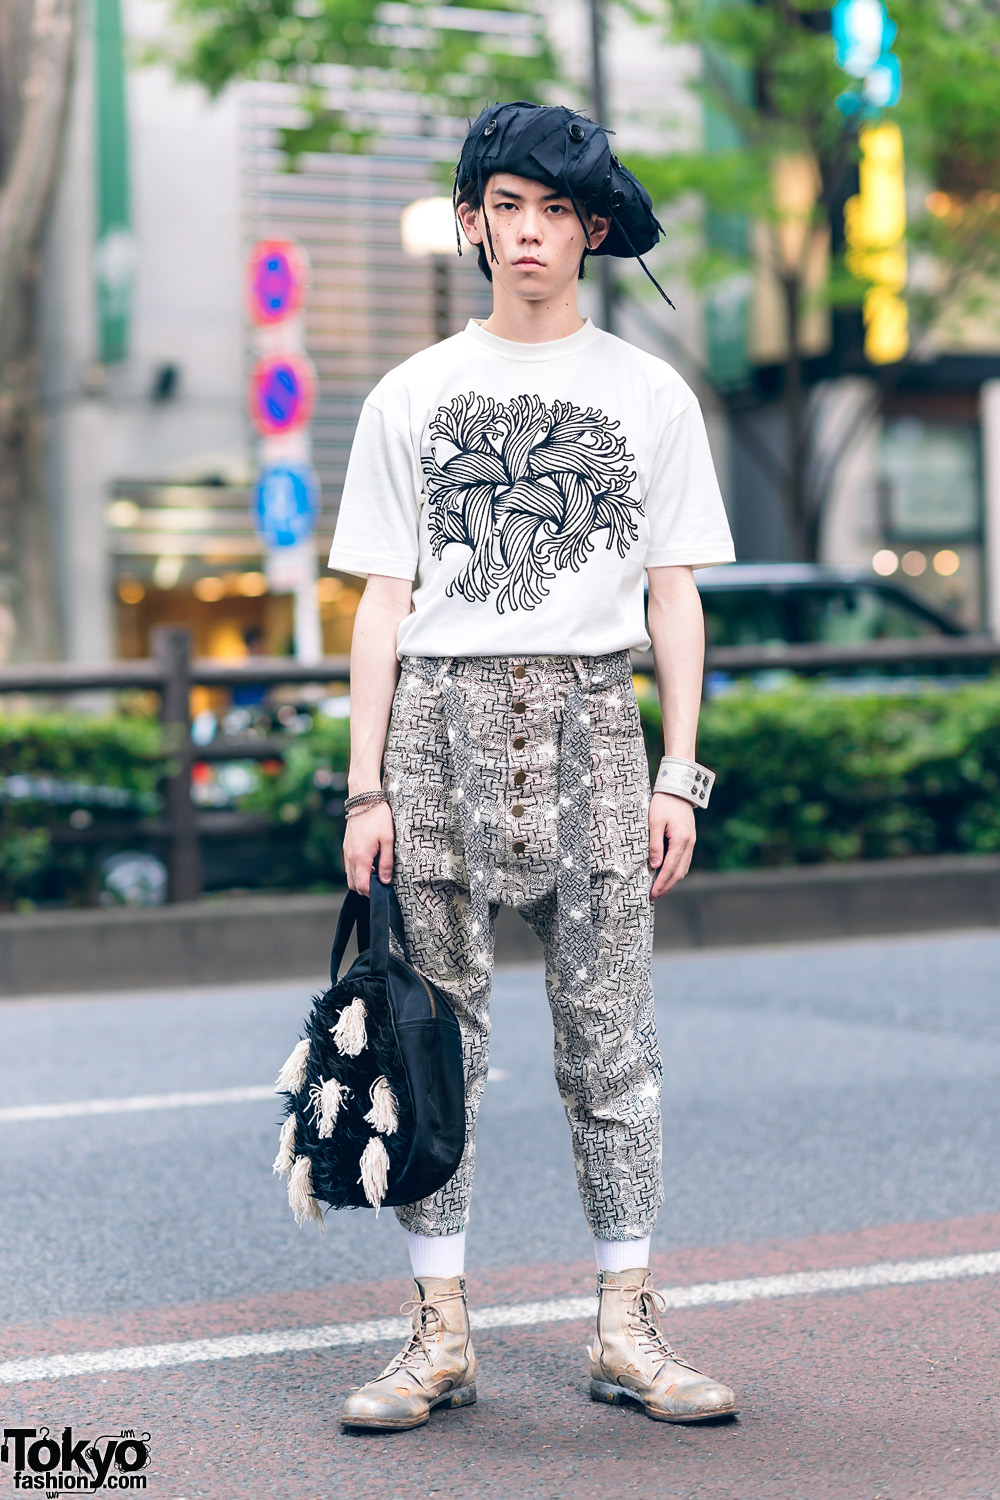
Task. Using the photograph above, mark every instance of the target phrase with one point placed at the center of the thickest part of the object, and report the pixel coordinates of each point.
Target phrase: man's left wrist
(688, 779)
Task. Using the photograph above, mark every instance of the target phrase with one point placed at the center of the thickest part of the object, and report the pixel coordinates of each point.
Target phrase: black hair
(474, 198)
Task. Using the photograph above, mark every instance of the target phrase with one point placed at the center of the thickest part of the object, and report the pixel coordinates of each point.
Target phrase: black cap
(564, 150)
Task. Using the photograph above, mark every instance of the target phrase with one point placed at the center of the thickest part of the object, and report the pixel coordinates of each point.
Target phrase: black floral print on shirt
(526, 486)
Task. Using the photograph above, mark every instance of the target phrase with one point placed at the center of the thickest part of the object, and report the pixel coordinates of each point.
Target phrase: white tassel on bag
(292, 1078)
(374, 1172)
(326, 1099)
(285, 1159)
(300, 1193)
(349, 1034)
(384, 1114)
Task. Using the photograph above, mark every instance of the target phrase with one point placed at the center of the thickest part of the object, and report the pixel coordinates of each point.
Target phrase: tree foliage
(36, 48)
(949, 114)
(451, 59)
(770, 75)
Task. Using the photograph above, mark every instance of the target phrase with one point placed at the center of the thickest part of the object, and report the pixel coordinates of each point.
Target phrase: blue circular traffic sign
(285, 504)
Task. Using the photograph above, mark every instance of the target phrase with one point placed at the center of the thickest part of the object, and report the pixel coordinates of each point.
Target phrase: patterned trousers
(607, 1062)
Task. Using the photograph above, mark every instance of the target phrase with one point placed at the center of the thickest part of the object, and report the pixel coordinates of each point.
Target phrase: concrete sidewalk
(277, 936)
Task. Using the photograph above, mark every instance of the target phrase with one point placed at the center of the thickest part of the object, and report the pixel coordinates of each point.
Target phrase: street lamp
(427, 228)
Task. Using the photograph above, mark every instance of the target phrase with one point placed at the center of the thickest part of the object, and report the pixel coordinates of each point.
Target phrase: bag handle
(373, 916)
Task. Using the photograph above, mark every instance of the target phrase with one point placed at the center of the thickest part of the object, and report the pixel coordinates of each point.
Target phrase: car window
(845, 616)
(744, 617)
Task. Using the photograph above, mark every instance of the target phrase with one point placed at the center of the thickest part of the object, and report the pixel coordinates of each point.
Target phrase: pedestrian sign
(282, 388)
(276, 280)
(285, 504)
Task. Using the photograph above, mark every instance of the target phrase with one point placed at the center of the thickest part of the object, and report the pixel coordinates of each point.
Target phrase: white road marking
(519, 1315)
(139, 1102)
(134, 1104)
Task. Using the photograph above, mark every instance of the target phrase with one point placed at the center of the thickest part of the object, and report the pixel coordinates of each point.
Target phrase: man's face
(538, 240)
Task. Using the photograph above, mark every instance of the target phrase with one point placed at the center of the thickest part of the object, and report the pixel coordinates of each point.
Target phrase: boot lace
(430, 1325)
(642, 1308)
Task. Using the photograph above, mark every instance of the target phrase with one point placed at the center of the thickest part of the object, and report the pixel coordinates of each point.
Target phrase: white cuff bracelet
(685, 778)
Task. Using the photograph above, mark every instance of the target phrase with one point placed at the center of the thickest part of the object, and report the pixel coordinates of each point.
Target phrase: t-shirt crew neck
(524, 488)
(573, 343)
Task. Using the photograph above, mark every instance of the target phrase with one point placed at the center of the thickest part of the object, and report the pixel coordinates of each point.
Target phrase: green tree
(36, 48)
(453, 59)
(786, 157)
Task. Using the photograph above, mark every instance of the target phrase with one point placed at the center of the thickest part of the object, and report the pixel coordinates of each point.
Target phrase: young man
(506, 490)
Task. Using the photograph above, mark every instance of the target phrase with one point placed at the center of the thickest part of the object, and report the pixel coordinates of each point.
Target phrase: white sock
(437, 1254)
(621, 1255)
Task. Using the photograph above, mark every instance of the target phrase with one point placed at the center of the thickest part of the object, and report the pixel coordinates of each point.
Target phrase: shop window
(931, 481)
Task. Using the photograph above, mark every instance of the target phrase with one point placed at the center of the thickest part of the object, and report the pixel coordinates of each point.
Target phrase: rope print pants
(607, 1062)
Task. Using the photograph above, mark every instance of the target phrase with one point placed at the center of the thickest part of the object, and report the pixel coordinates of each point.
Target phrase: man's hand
(671, 824)
(368, 835)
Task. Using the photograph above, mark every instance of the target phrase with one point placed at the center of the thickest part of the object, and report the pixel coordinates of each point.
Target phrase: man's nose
(531, 225)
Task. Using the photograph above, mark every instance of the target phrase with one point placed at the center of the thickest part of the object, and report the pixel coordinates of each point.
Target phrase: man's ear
(598, 230)
(469, 219)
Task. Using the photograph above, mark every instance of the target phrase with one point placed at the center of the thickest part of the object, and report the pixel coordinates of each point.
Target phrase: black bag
(375, 1110)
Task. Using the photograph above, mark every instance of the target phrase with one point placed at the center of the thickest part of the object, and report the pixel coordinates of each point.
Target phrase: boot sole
(464, 1396)
(617, 1395)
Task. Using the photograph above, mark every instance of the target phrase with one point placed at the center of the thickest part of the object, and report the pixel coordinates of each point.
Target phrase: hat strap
(576, 209)
(454, 209)
(624, 234)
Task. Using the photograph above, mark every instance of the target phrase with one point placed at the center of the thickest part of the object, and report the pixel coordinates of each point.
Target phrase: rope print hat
(564, 150)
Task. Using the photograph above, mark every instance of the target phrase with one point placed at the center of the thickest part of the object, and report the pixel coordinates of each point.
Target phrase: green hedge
(64, 778)
(805, 775)
(307, 795)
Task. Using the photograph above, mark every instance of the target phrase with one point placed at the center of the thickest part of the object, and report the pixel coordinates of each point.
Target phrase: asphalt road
(825, 1106)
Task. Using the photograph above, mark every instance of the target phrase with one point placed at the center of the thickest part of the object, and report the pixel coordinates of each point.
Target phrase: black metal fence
(172, 672)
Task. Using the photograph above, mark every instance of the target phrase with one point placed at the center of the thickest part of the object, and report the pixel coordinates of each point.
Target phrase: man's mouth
(527, 260)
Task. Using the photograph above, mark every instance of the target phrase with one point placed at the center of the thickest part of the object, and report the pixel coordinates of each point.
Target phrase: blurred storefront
(189, 554)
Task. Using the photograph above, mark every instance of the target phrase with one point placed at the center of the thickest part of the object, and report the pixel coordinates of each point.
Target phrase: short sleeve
(688, 526)
(377, 524)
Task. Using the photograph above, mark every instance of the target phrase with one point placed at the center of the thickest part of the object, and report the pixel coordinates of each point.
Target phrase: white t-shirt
(524, 488)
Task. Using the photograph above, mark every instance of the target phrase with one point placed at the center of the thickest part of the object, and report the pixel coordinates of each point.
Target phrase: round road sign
(282, 389)
(277, 273)
(285, 504)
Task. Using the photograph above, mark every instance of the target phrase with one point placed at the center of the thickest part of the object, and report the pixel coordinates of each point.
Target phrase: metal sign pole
(599, 110)
(282, 391)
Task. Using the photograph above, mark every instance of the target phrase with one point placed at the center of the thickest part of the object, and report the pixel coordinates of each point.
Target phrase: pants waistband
(589, 671)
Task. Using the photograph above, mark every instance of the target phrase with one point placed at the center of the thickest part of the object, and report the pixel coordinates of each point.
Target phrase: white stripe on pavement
(134, 1103)
(138, 1102)
(520, 1315)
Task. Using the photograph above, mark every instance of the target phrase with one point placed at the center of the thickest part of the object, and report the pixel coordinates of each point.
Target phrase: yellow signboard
(875, 229)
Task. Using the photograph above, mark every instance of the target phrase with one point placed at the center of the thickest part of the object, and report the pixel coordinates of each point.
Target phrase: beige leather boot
(632, 1361)
(436, 1367)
